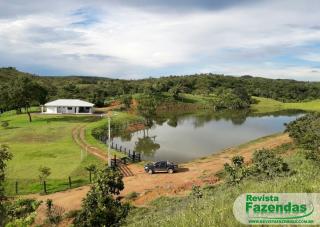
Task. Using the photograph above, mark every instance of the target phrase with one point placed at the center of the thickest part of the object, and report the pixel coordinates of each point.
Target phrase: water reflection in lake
(183, 137)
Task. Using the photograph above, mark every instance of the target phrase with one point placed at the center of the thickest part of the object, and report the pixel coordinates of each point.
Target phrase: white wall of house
(51, 109)
(66, 110)
(70, 110)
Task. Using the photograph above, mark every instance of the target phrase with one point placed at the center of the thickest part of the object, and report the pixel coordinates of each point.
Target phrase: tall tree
(24, 92)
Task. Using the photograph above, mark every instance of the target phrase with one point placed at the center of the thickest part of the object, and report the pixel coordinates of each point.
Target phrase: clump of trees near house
(21, 93)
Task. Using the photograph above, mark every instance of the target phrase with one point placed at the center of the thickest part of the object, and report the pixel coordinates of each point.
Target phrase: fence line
(132, 155)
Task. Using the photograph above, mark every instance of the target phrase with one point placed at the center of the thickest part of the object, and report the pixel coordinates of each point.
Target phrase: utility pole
(109, 138)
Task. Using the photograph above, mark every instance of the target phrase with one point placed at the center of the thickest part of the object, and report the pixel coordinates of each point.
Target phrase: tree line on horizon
(22, 90)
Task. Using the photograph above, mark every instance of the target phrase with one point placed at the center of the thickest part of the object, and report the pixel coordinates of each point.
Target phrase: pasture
(266, 105)
(47, 141)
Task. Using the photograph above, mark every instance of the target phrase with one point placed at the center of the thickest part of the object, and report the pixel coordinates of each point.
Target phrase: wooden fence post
(134, 156)
(44, 187)
(115, 160)
(70, 182)
(16, 187)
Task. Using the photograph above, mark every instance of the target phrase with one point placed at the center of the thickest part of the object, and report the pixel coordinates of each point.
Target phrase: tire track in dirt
(78, 135)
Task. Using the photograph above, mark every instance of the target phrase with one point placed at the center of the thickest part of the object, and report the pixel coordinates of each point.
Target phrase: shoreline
(149, 187)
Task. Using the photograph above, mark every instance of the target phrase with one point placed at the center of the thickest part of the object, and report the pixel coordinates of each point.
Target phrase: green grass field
(266, 105)
(47, 141)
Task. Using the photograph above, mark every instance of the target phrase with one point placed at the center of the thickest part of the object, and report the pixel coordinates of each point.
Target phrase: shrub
(22, 222)
(5, 156)
(54, 213)
(312, 155)
(268, 165)
(196, 192)
(236, 171)
(21, 212)
(305, 131)
(22, 208)
(100, 208)
(5, 124)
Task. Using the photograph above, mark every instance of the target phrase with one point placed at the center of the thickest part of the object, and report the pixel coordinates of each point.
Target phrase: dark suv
(161, 166)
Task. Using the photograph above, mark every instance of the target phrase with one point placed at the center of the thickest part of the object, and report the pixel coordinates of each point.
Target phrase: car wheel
(150, 171)
(170, 171)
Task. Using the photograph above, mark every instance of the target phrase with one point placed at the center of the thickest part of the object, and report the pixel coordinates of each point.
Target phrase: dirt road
(150, 187)
(78, 135)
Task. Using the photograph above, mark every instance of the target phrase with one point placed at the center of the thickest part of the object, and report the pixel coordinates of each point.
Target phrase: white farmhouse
(67, 106)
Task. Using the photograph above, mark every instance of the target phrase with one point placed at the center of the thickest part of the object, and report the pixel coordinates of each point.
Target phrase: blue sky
(143, 38)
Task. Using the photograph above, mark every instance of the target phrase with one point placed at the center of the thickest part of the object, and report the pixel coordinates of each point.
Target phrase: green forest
(22, 90)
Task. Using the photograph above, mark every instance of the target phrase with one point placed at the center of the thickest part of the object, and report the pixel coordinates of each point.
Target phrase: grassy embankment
(47, 141)
(266, 105)
(117, 118)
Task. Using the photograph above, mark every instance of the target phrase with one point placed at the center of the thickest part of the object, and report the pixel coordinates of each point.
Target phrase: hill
(99, 90)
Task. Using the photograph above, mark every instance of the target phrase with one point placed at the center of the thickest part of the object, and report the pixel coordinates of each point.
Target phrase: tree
(4, 98)
(24, 92)
(100, 208)
(44, 173)
(5, 156)
(268, 165)
(228, 99)
(174, 91)
(126, 100)
(147, 107)
(235, 171)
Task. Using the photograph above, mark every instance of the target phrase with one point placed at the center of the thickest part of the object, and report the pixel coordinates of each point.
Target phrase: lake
(184, 137)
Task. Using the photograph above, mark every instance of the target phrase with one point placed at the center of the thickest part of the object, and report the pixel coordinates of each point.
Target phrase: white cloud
(127, 40)
(315, 57)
